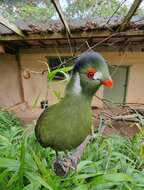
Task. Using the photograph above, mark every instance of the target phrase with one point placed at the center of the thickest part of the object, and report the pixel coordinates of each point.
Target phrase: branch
(62, 167)
(61, 15)
(128, 118)
(129, 15)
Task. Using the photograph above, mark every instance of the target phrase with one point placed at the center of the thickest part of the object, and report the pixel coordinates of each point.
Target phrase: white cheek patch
(77, 86)
(97, 76)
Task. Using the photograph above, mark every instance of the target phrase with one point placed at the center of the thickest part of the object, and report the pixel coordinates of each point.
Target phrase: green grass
(108, 162)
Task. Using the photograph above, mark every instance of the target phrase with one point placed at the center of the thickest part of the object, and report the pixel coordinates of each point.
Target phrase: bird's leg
(93, 136)
(66, 152)
(57, 155)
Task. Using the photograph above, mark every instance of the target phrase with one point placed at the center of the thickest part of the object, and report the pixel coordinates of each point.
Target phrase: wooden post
(20, 74)
(61, 15)
(11, 26)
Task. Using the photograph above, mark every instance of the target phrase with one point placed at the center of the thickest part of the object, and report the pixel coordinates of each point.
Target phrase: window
(56, 63)
(119, 75)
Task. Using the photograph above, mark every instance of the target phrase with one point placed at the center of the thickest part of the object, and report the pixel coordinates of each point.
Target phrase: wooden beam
(11, 26)
(54, 36)
(129, 15)
(61, 15)
(75, 35)
(20, 75)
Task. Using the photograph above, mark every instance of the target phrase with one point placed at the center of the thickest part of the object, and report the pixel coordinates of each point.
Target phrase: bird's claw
(68, 163)
(61, 167)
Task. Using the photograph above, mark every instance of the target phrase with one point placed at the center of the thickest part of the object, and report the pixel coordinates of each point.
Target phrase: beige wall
(135, 91)
(10, 91)
(35, 88)
(135, 88)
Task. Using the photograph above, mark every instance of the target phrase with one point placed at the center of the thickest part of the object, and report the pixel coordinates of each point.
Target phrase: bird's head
(92, 71)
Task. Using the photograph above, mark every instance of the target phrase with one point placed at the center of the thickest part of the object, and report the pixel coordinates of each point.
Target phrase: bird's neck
(75, 89)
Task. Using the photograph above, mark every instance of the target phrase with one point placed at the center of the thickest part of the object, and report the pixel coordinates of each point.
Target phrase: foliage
(108, 162)
(42, 10)
(93, 8)
(64, 71)
(10, 133)
(39, 10)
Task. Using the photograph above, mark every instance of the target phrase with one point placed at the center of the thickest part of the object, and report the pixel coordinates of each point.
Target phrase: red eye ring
(90, 72)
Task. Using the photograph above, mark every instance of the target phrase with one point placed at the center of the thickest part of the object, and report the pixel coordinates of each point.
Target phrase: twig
(128, 118)
(120, 5)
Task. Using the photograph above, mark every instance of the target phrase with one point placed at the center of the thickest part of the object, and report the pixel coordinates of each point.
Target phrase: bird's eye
(90, 72)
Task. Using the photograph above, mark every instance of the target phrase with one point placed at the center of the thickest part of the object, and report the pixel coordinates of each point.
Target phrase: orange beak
(108, 83)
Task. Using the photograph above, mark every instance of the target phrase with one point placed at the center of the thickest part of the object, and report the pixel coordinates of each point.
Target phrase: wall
(135, 92)
(135, 89)
(35, 88)
(10, 90)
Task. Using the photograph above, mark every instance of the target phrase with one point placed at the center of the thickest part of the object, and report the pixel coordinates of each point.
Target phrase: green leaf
(64, 70)
(33, 186)
(11, 164)
(81, 187)
(115, 178)
(38, 179)
(86, 176)
(82, 164)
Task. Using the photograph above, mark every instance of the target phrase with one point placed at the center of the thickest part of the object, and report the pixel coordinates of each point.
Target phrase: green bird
(65, 125)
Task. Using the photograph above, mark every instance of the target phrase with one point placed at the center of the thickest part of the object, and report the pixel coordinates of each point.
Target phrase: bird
(66, 124)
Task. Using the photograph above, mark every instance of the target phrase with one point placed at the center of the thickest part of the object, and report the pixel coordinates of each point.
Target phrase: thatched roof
(99, 32)
(99, 23)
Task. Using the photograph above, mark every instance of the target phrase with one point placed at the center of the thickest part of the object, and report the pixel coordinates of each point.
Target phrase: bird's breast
(65, 125)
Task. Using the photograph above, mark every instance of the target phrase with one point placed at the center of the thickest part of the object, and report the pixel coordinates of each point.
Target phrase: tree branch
(62, 167)
(129, 15)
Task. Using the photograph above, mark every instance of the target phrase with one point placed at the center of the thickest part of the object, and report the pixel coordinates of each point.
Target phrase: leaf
(81, 187)
(115, 178)
(33, 186)
(38, 179)
(86, 176)
(82, 164)
(43, 170)
(22, 161)
(11, 164)
(40, 165)
(14, 178)
(4, 174)
(120, 155)
(64, 70)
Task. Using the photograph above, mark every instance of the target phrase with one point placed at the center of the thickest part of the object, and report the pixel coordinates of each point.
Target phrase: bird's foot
(69, 163)
(62, 167)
